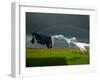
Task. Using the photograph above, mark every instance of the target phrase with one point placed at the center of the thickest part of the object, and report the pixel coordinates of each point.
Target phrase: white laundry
(73, 40)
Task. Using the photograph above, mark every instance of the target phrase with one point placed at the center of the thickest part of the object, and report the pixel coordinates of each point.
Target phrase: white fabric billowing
(80, 45)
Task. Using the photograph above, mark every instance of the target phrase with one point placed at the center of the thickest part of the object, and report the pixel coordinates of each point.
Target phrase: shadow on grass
(36, 62)
(73, 59)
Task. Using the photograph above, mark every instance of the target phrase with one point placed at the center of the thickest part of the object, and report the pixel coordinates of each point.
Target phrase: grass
(55, 56)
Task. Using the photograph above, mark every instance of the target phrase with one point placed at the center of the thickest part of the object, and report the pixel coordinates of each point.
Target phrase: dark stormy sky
(49, 24)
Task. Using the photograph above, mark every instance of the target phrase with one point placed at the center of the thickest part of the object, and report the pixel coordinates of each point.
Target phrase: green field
(56, 56)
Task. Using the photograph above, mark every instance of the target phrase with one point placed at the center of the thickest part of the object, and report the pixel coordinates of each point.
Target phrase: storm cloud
(70, 25)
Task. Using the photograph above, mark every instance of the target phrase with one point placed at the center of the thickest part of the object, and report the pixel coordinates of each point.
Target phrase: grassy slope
(56, 55)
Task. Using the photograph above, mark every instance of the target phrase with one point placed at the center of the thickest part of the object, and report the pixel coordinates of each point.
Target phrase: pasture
(36, 57)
